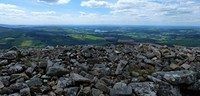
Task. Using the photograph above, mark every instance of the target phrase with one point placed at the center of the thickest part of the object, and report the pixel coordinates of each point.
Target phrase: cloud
(95, 4)
(55, 1)
(155, 7)
(44, 13)
(11, 10)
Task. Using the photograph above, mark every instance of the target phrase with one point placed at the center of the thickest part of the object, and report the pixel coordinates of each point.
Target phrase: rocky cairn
(114, 70)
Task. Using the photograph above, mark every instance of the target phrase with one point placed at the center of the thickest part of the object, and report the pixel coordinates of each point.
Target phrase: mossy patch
(84, 37)
(144, 70)
(8, 39)
(27, 43)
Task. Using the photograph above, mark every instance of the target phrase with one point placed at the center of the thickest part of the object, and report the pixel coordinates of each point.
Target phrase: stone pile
(114, 70)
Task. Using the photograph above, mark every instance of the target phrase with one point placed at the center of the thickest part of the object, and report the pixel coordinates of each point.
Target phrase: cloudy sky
(89, 12)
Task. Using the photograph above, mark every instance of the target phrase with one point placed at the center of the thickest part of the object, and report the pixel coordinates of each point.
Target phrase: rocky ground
(115, 70)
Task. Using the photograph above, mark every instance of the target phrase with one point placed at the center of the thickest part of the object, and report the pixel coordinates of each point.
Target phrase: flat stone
(14, 94)
(121, 89)
(18, 86)
(174, 66)
(177, 77)
(144, 88)
(78, 78)
(186, 66)
(57, 70)
(35, 82)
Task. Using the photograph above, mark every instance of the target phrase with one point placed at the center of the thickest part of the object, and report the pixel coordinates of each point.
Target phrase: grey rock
(78, 78)
(96, 92)
(57, 70)
(17, 68)
(18, 86)
(165, 89)
(10, 55)
(177, 77)
(25, 92)
(148, 61)
(34, 82)
(101, 68)
(63, 82)
(45, 88)
(52, 94)
(14, 94)
(119, 69)
(3, 62)
(59, 91)
(102, 87)
(6, 90)
(87, 90)
(1, 85)
(144, 88)
(72, 91)
(195, 86)
(17, 77)
(121, 89)
(29, 70)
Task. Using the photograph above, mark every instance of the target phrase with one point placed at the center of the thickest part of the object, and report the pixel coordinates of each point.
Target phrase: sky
(100, 12)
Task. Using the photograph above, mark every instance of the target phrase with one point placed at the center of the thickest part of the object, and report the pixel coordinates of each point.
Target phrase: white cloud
(95, 3)
(11, 10)
(55, 1)
(44, 13)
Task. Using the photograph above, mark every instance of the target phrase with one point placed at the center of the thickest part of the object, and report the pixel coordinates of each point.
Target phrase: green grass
(84, 37)
(27, 43)
(8, 39)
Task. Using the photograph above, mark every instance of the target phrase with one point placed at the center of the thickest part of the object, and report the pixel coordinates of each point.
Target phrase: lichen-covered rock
(113, 70)
(177, 77)
(165, 89)
(144, 88)
(64, 82)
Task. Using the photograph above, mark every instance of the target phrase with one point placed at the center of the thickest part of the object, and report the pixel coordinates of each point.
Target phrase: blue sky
(89, 12)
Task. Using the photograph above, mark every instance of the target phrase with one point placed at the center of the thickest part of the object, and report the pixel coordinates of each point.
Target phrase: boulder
(144, 88)
(121, 89)
(177, 77)
(34, 82)
(57, 70)
(3, 62)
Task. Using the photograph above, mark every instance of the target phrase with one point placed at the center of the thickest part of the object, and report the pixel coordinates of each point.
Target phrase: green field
(41, 36)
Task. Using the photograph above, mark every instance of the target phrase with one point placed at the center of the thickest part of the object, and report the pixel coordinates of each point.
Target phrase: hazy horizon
(100, 12)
